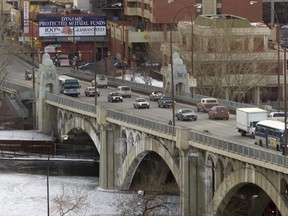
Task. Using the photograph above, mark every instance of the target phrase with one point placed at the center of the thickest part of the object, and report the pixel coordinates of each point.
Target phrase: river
(23, 187)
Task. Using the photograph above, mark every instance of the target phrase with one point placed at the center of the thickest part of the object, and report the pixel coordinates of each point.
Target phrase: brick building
(150, 22)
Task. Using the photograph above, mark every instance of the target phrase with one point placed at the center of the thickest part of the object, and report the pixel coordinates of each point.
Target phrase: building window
(219, 7)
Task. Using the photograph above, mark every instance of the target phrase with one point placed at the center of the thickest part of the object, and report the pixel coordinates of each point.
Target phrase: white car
(278, 116)
(141, 103)
(284, 27)
(117, 4)
(90, 91)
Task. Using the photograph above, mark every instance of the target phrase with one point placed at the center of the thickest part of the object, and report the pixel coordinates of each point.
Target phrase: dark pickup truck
(165, 101)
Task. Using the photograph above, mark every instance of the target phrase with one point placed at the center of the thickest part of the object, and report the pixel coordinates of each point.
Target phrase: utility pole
(2, 17)
(123, 53)
(95, 56)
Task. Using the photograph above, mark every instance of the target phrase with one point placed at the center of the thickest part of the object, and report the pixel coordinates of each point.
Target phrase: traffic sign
(56, 45)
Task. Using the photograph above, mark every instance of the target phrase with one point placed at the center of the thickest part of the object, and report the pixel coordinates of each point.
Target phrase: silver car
(156, 95)
(90, 91)
(186, 114)
(141, 103)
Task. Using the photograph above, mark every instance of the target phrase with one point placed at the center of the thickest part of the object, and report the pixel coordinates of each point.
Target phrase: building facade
(232, 58)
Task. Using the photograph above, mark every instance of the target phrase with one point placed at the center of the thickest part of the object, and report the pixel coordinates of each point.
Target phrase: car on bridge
(186, 114)
(90, 91)
(219, 112)
(156, 95)
(278, 116)
(28, 74)
(115, 97)
(205, 104)
(125, 91)
(141, 103)
(165, 101)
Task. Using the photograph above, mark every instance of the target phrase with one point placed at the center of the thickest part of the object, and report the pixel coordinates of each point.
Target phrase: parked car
(156, 95)
(117, 4)
(90, 91)
(219, 112)
(125, 91)
(28, 74)
(186, 114)
(118, 64)
(141, 103)
(284, 27)
(152, 64)
(86, 66)
(165, 101)
(115, 97)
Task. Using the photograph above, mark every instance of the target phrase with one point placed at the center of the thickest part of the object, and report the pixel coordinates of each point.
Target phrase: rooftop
(222, 20)
(24, 135)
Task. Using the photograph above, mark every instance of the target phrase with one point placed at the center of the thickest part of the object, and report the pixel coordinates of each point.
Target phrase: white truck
(101, 81)
(247, 118)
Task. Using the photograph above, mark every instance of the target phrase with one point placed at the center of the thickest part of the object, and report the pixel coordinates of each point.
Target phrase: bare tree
(70, 201)
(8, 46)
(143, 205)
(228, 60)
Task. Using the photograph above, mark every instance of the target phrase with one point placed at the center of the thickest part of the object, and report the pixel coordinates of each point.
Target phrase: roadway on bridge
(221, 128)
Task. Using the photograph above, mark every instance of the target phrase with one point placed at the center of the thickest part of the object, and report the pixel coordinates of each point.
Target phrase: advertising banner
(26, 10)
(71, 26)
(192, 82)
(26, 17)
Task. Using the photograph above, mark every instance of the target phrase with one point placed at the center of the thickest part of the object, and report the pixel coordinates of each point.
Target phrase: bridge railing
(219, 143)
(23, 111)
(80, 105)
(240, 149)
(27, 95)
(142, 122)
(16, 86)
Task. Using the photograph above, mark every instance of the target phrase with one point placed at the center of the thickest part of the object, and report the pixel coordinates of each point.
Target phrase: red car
(219, 112)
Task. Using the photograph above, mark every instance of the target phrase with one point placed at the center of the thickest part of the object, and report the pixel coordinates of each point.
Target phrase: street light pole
(48, 195)
(48, 174)
(123, 53)
(278, 50)
(285, 99)
(95, 56)
(171, 53)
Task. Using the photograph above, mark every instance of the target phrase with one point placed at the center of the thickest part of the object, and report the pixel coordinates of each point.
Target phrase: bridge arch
(136, 155)
(84, 124)
(239, 178)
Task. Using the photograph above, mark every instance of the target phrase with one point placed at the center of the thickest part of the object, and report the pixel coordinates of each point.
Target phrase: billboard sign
(26, 17)
(26, 10)
(71, 26)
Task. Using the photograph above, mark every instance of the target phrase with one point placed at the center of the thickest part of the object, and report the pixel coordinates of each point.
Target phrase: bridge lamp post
(95, 56)
(285, 98)
(48, 174)
(33, 39)
(278, 48)
(186, 7)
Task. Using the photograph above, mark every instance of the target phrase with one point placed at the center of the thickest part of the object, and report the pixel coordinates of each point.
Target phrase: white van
(125, 91)
(101, 81)
(205, 104)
